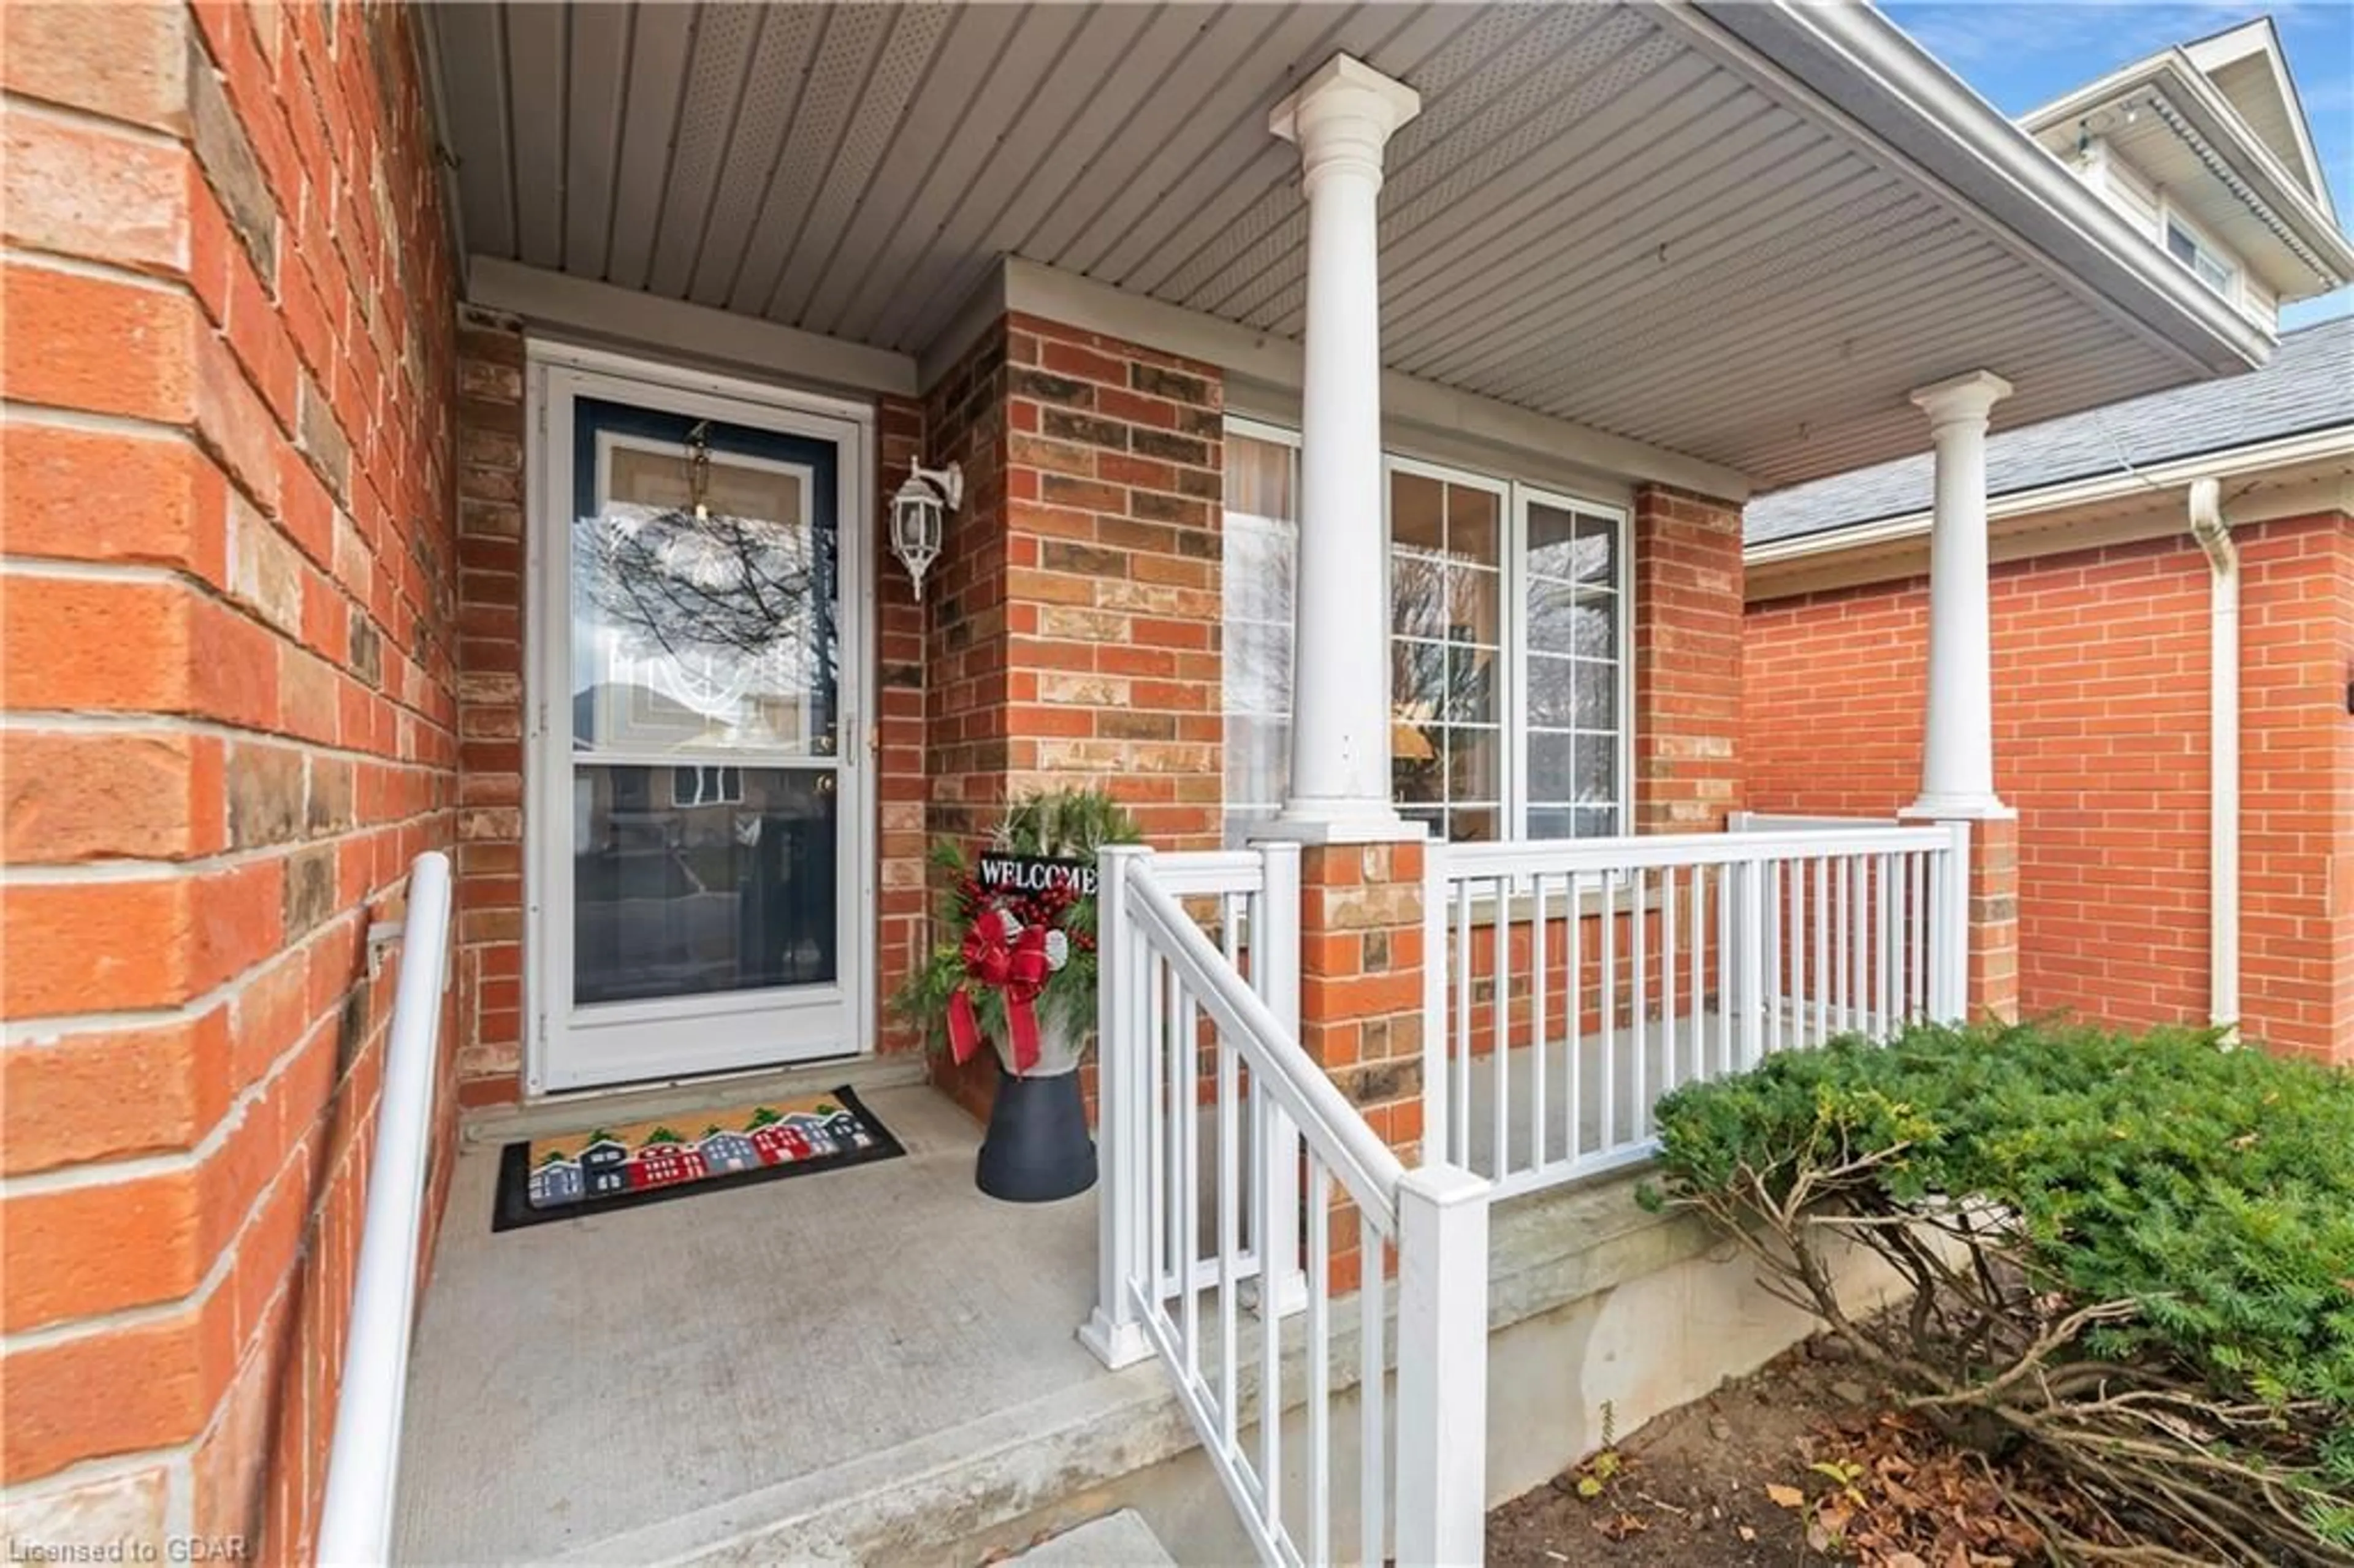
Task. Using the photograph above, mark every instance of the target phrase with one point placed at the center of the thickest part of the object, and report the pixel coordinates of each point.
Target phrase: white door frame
(557, 374)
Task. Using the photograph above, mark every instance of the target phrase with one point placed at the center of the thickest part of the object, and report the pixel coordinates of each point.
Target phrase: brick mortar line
(39, 108)
(70, 721)
(124, 870)
(69, 570)
(223, 1261)
(56, 1028)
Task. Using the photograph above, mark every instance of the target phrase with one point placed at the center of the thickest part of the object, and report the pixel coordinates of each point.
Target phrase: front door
(698, 757)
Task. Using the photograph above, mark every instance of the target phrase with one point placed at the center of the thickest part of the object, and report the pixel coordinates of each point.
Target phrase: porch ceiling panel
(1603, 213)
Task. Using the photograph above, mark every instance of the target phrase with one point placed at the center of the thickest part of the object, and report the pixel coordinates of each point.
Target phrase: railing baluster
(1822, 950)
(1889, 907)
(1771, 870)
(1670, 1024)
(1320, 1368)
(1797, 974)
(1918, 921)
(1726, 968)
(1270, 1318)
(1608, 997)
(1639, 1030)
(1229, 1219)
(1539, 1048)
(1751, 971)
(1462, 1030)
(1859, 943)
(1572, 1008)
(1185, 1105)
(1500, 1053)
(1373, 1477)
(1698, 888)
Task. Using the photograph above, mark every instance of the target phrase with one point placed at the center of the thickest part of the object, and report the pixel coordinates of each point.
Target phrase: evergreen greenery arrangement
(2133, 1255)
(1056, 824)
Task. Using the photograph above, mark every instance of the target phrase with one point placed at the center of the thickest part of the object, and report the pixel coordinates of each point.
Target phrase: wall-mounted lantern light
(917, 509)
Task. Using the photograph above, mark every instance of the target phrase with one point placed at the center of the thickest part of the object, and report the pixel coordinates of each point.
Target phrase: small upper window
(2203, 264)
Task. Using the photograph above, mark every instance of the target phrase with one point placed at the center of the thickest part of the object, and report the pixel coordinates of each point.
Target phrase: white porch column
(1342, 117)
(1957, 750)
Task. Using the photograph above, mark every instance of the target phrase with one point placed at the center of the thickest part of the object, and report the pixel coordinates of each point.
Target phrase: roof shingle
(2308, 386)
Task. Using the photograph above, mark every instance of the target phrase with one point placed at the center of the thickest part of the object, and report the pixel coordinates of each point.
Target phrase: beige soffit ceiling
(1740, 233)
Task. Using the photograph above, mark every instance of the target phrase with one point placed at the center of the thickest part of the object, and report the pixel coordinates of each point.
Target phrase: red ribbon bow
(1018, 967)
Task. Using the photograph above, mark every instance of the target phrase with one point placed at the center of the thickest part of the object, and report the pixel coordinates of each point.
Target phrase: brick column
(1687, 653)
(1360, 978)
(1075, 614)
(489, 974)
(1994, 918)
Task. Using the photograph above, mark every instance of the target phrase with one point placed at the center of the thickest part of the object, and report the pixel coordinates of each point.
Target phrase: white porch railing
(1569, 985)
(1197, 1239)
(363, 1463)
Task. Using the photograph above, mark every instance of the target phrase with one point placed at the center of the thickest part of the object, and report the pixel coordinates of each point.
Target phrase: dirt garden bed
(1802, 1462)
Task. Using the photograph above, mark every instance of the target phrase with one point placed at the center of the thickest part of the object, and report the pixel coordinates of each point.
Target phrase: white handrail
(1209, 1179)
(1367, 1166)
(363, 1464)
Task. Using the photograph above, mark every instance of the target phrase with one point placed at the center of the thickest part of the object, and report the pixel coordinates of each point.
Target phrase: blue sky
(2023, 55)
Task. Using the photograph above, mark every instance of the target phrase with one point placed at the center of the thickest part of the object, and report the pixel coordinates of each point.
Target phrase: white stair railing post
(1122, 1100)
(1442, 1369)
(1274, 975)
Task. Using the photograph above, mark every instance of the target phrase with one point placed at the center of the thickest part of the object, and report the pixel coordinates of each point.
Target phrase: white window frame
(1516, 496)
(2170, 219)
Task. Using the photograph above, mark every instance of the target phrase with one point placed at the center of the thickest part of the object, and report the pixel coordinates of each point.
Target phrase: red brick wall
(2296, 767)
(228, 661)
(1074, 621)
(900, 842)
(2100, 669)
(490, 975)
(1688, 651)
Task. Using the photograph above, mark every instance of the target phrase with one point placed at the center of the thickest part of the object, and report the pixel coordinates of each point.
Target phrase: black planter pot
(1037, 1149)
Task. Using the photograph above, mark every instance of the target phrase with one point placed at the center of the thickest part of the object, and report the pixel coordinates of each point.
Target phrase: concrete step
(1594, 1306)
(1119, 1540)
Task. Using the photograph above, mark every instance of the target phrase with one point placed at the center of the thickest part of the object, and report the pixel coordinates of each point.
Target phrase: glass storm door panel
(703, 895)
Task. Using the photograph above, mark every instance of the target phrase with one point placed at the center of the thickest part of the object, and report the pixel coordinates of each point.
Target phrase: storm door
(698, 752)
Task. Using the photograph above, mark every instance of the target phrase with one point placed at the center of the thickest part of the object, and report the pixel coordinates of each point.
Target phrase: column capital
(1969, 396)
(1346, 102)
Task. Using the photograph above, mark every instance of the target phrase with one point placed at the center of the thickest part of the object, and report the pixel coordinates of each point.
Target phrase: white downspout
(2215, 536)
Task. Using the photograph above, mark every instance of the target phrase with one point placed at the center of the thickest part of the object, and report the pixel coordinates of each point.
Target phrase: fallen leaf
(1747, 1533)
(1784, 1496)
(1901, 1559)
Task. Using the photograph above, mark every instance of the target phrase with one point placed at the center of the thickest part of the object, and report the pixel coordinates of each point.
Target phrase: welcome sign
(1037, 874)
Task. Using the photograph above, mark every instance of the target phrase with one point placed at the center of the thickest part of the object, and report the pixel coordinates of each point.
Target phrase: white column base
(1370, 824)
(1958, 808)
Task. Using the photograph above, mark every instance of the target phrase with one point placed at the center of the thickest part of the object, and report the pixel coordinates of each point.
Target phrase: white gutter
(2215, 536)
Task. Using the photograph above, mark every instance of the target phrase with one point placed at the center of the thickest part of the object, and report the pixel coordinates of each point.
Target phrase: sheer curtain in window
(1262, 529)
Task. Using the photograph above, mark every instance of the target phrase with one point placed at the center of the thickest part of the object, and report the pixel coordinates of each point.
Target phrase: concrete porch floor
(574, 1385)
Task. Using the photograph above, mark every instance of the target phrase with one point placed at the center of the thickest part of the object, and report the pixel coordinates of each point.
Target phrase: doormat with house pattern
(636, 1162)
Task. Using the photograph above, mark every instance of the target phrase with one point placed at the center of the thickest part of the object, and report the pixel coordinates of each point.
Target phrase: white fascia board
(2238, 462)
(598, 313)
(1859, 77)
(1274, 362)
